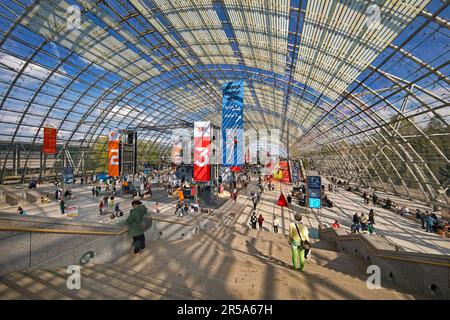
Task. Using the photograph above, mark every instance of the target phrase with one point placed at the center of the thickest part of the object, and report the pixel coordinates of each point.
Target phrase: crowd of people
(363, 223)
(298, 232)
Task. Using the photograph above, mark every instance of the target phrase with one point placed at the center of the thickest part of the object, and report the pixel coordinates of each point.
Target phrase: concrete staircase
(230, 263)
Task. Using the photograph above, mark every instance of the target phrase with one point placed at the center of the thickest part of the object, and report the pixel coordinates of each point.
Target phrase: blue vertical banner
(233, 143)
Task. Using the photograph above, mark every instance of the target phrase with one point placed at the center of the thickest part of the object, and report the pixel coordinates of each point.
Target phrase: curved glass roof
(371, 103)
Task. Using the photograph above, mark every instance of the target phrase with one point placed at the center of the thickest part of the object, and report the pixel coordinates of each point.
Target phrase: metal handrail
(80, 232)
(61, 231)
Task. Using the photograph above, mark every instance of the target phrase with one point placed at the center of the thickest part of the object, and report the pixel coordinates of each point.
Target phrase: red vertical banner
(202, 151)
(49, 146)
(113, 154)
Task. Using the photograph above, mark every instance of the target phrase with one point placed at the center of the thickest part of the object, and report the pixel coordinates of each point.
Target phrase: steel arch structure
(370, 103)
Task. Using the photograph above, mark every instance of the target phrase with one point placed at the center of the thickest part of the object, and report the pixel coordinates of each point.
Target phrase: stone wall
(425, 274)
(21, 251)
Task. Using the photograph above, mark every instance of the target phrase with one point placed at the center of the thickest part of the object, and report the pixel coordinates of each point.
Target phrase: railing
(61, 231)
(396, 246)
(106, 233)
(379, 254)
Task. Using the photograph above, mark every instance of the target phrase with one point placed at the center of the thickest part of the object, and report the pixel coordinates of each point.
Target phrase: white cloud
(31, 69)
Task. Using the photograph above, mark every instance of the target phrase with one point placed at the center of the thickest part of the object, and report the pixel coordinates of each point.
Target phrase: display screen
(314, 203)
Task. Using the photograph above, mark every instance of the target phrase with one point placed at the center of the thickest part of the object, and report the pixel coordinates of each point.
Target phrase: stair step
(22, 283)
(7, 292)
(159, 287)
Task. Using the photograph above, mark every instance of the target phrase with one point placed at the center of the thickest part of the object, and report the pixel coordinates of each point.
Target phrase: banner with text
(113, 154)
(233, 143)
(49, 146)
(202, 151)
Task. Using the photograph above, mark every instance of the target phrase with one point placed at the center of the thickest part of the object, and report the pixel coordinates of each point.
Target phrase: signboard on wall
(233, 143)
(49, 146)
(202, 151)
(113, 154)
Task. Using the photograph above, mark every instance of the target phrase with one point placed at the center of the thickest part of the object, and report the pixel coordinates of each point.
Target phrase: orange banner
(113, 158)
(49, 146)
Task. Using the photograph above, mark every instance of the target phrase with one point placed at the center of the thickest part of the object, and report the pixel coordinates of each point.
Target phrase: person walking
(289, 198)
(253, 220)
(429, 221)
(93, 191)
(178, 207)
(372, 216)
(254, 199)
(133, 222)
(111, 202)
(276, 224)
(62, 206)
(299, 242)
(100, 207)
(260, 221)
(157, 208)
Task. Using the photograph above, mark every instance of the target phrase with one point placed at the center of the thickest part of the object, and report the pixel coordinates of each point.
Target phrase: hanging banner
(295, 173)
(281, 172)
(233, 142)
(113, 154)
(49, 146)
(202, 151)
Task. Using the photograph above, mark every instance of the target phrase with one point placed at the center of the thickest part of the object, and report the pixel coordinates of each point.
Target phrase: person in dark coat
(372, 217)
(289, 199)
(133, 222)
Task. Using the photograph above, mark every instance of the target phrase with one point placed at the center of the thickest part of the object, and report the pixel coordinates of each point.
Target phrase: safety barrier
(427, 274)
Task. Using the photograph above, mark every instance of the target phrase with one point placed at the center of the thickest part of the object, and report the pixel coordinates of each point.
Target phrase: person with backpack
(253, 220)
(134, 222)
(299, 242)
